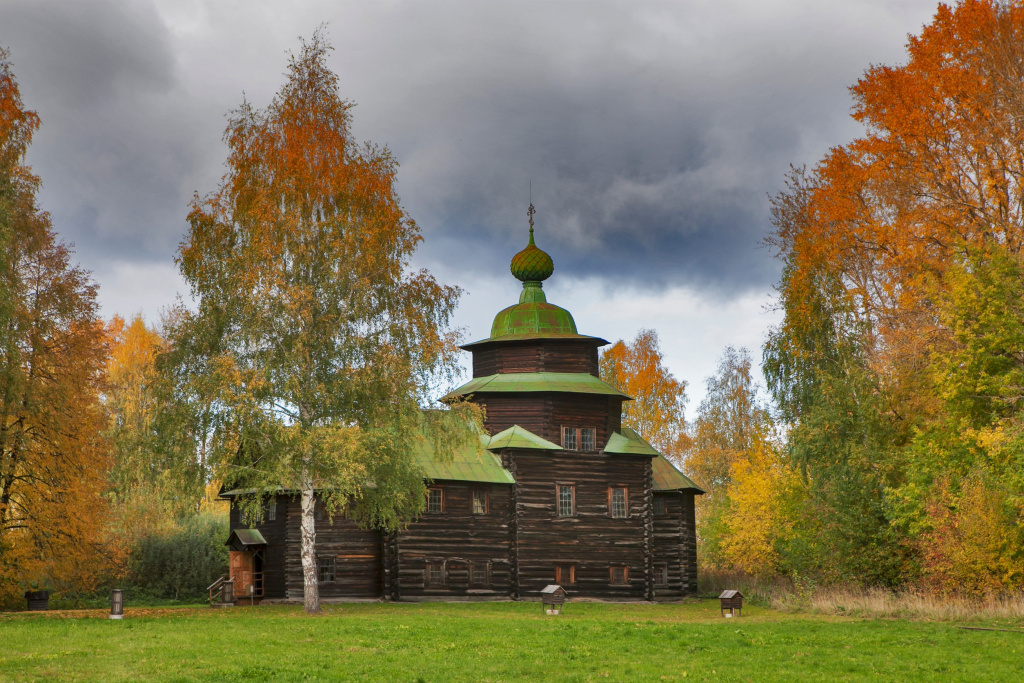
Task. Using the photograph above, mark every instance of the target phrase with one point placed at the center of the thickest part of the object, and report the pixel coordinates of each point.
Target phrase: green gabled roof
(628, 442)
(517, 437)
(518, 382)
(473, 462)
(247, 537)
(668, 478)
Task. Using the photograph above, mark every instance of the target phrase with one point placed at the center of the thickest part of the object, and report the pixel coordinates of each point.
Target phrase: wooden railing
(216, 589)
(257, 584)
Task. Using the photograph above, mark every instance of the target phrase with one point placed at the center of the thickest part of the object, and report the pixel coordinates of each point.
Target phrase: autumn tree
(52, 457)
(897, 304)
(311, 337)
(658, 411)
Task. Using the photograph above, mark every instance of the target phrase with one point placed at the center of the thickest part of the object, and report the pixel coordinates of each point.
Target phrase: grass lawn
(498, 642)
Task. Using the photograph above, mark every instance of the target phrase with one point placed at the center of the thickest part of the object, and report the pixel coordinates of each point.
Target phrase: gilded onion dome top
(532, 264)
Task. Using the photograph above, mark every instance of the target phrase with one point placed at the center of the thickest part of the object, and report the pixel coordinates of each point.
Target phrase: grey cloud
(652, 132)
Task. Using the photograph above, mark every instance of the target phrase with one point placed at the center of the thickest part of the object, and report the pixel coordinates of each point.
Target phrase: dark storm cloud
(101, 76)
(652, 133)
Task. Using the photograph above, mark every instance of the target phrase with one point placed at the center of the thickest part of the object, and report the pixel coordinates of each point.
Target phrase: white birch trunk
(310, 587)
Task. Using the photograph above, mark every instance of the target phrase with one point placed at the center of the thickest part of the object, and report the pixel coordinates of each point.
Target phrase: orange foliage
(657, 411)
(52, 457)
(974, 546)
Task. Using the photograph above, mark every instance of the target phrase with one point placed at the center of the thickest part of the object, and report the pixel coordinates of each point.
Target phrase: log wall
(674, 546)
(591, 540)
(357, 553)
(536, 356)
(456, 539)
(545, 413)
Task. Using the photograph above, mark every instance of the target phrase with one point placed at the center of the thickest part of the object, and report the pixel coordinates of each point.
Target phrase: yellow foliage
(975, 546)
(757, 516)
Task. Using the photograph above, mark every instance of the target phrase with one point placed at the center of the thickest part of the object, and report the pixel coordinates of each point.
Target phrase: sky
(649, 136)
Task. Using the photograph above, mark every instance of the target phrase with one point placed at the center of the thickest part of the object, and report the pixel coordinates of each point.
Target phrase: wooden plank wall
(357, 554)
(456, 537)
(274, 560)
(592, 539)
(537, 356)
(673, 546)
(544, 413)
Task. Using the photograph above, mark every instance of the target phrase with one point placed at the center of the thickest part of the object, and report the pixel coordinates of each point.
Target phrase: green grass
(498, 642)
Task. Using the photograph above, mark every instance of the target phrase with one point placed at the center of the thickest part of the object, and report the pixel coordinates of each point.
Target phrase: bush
(180, 564)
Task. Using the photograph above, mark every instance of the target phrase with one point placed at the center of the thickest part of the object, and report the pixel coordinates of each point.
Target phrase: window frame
(661, 574)
(270, 513)
(486, 499)
(565, 570)
(659, 501)
(612, 569)
(440, 506)
(625, 502)
(486, 567)
(576, 434)
(558, 498)
(323, 563)
(440, 566)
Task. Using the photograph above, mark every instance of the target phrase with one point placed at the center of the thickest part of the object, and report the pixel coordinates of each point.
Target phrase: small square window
(435, 500)
(435, 574)
(619, 576)
(566, 500)
(569, 442)
(661, 575)
(618, 503)
(327, 569)
(659, 506)
(587, 439)
(479, 574)
(565, 574)
(479, 502)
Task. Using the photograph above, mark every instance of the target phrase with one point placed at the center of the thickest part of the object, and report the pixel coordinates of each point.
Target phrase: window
(661, 575)
(480, 502)
(569, 442)
(659, 506)
(435, 574)
(479, 574)
(327, 569)
(618, 576)
(271, 514)
(435, 500)
(566, 500)
(579, 439)
(318, 513)
(565, 574)
(618, 502)
(587, 439)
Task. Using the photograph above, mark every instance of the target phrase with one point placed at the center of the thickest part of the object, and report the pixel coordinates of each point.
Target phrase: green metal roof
(668, 478)
(247, 537)
(628, 442)
(519, 382)
(472, 463)
(517, 437)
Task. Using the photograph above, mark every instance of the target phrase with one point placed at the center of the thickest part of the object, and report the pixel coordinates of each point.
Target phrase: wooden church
(558, 491)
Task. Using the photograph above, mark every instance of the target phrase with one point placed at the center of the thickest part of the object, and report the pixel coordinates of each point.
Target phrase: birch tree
(312, 338)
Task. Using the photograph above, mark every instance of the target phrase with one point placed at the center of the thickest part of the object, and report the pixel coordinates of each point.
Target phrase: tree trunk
(310, 587)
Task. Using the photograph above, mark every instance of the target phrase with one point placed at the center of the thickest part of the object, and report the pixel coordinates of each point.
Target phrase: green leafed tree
(312, 340)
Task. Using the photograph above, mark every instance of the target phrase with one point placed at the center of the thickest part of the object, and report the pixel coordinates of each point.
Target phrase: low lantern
(117, 604)
(732, 601)
(552, 598)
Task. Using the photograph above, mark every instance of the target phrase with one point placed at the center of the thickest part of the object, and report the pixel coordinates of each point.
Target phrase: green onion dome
(532, 264)
(533, 318)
